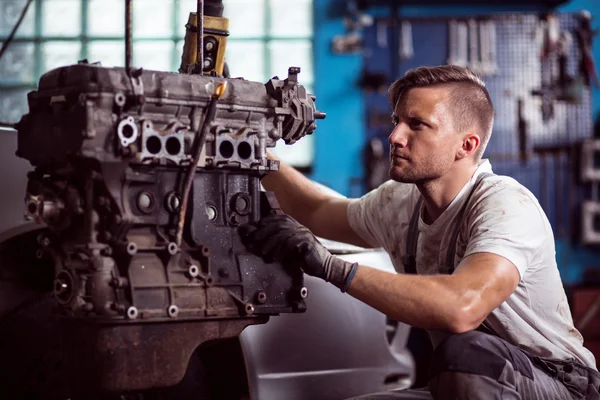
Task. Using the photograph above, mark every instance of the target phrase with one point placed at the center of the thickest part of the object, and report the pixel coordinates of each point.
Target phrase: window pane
(10, 11)
(185, 8)
(111, 53)
(291, 18)
(61, 17)
(13, 104)
(59, 54)
(286, 53)
(106, 18)
(246, 17)
(299, 154)
(16, 65)
(245, 59)
(153, 18)
(153, 55)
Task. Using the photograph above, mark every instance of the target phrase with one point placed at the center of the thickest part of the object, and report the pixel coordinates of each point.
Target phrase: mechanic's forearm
(297, 195)
(427, 301)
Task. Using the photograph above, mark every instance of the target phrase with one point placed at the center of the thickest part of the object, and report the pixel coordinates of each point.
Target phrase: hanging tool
(585, 37)
(474, 62)
(452, 42)
(406, 41)
(487, 41)
(486, 68)
(382, 34)
(522, 131)
(493, 55)
(457, 46)
(561, 88)
(550, 34)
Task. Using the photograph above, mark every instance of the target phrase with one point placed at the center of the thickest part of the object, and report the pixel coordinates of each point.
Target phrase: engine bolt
(261, 297)
(132, 248)
(132, 312)
(173, 311)
(193, 271)
(304, 293)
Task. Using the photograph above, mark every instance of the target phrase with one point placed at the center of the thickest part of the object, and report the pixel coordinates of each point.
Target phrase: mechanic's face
(423, 144)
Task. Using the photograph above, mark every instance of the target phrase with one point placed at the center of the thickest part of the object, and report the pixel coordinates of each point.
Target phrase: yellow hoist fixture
(216, 30)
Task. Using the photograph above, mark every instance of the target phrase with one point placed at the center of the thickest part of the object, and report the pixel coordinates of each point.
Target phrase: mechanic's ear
(470, 144)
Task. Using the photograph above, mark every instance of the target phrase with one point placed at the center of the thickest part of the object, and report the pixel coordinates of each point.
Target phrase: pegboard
(548, 170)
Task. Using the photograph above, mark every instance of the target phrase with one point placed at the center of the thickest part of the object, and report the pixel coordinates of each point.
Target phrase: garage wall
(340, 137)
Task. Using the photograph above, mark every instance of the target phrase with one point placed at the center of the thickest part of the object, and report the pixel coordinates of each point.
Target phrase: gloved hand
(282, 238)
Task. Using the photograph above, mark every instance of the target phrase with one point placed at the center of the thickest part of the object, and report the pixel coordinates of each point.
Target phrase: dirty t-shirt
(503, 218)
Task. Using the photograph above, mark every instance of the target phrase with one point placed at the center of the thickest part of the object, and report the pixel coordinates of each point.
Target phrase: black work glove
(282, 238)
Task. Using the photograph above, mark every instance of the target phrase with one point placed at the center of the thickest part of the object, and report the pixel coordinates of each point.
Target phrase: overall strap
(410, 258)
(451, 253)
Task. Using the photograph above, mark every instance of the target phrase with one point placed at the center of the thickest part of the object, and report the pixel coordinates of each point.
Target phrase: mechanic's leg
(480, 366)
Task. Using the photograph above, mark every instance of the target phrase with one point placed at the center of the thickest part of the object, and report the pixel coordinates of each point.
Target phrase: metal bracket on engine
(135, 77)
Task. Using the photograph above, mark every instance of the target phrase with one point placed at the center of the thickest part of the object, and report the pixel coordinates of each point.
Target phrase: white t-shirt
(503, 218)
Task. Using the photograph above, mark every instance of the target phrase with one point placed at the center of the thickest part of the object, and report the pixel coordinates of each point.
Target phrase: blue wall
(340, 137)
(592, 6)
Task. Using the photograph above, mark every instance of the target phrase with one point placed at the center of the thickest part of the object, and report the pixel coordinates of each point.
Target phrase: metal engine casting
(139, 283)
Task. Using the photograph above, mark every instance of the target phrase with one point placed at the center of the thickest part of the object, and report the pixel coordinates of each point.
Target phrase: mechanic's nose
(399, 137)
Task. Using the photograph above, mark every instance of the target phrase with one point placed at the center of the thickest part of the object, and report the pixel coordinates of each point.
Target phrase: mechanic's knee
(463, 362)
(457, 363)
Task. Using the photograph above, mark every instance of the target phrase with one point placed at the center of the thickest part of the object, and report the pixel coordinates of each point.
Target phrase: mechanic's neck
(439, 193)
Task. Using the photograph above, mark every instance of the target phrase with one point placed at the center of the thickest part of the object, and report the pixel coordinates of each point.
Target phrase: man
(486, 287)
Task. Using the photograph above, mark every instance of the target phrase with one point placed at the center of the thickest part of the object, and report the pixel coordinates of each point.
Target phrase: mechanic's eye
(395, 120)
(416, 125)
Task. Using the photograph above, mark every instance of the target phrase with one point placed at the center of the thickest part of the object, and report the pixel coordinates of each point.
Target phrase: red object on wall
(585, 307)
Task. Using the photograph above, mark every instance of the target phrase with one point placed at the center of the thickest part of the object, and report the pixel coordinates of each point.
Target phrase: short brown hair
(470, 100)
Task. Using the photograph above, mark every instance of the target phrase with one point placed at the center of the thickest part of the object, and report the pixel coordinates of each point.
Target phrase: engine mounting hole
(244, 150)
(172, 248)
(32, 208)
(226, 149)
(132, 248)
(120, 99)
(304, 293)
(153, 145)
(173, 311)
(132, 313)
(127, 131)
(173, 146)
(194, 271)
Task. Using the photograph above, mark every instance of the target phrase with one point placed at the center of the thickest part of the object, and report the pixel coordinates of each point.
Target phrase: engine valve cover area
(152, 117)
(111, 152)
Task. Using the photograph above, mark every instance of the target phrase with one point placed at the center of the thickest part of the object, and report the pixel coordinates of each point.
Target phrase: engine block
(111, 149)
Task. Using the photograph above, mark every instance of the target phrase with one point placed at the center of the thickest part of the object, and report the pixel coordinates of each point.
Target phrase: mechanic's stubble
(424, 144)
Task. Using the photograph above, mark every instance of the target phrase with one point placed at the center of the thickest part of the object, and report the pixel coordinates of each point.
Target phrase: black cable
(128, 34)
(197, 147)
(15, 28)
